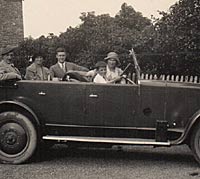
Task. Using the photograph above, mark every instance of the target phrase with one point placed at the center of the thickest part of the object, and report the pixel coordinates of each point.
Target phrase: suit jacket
(57, 71)
(8, 71)
(33, 74)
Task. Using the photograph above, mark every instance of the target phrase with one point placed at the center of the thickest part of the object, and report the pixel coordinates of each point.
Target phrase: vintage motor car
(141, 112)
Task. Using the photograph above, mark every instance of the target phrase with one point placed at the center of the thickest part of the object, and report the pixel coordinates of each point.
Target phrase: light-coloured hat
(113, 55)
(8, 49)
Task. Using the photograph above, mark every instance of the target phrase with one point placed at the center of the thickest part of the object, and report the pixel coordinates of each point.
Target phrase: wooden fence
(175, 78)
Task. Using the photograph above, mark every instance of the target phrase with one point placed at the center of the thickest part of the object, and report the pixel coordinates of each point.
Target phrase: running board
(127, 141)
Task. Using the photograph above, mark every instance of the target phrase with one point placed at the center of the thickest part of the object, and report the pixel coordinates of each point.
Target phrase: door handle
(93, 96)
(41, 93)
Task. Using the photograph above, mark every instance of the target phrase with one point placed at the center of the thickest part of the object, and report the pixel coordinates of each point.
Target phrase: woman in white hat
(113, 71)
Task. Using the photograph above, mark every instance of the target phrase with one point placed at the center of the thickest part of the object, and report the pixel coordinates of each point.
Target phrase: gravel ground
(141, 162)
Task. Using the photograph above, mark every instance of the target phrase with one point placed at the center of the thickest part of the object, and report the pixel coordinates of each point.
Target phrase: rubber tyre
(195, 142)
(18, 138)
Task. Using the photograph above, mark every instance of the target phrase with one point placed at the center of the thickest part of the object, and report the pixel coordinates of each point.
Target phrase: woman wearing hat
(36, 71)
(113, 72)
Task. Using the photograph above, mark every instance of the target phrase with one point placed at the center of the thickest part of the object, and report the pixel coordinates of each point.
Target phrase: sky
(42, 17)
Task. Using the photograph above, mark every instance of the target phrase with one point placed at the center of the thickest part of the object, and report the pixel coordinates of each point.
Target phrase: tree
(178, 37)
(95, 37)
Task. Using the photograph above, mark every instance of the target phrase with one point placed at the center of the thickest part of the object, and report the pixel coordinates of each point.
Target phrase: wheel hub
(13, 138)
(10, 138)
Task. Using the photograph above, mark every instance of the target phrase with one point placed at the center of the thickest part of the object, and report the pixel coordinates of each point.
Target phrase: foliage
(178, 38)
(91, 40)
(169, 45)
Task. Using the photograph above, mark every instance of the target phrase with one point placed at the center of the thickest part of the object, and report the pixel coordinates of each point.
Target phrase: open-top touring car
(144, 112)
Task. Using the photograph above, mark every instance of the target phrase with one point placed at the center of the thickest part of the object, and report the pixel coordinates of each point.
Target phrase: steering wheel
(74, 76)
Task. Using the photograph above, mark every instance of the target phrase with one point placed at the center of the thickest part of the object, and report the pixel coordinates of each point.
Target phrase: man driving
(58, 70)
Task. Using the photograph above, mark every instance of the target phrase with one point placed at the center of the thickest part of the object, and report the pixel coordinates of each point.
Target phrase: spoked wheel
(18, 138)
(195, 142)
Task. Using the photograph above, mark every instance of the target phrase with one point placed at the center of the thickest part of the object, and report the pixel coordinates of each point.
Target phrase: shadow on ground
(177, 154)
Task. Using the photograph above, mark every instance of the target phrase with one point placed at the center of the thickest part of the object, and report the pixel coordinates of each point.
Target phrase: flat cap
(8, 49)
(100, 64)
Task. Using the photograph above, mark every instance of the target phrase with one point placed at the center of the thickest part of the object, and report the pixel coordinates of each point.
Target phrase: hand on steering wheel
(74, 76)
(66, 77)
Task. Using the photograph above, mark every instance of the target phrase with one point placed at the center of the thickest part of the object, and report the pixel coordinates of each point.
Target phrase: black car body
(149, 112)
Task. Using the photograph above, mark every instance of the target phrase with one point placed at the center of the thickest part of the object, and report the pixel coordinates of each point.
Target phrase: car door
(111, 105)
(66, 102)
(59, 103)
(152, 103)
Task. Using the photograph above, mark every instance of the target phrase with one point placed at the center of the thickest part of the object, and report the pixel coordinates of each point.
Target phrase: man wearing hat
(36, 71)
(100, 67)
(61, 67)
(7, 68)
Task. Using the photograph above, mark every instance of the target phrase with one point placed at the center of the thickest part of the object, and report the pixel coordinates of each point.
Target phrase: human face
(102, 71)
(61, 56)
(39, 60)
(8, 58)
(112, 63)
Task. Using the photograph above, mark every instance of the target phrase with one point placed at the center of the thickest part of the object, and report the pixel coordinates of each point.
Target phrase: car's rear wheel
(18, 138)
(195, 142)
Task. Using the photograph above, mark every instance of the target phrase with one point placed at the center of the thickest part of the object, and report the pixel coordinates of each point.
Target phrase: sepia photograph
(104, 89)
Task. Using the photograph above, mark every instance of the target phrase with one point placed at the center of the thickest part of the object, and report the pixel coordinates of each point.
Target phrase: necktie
(63, 66)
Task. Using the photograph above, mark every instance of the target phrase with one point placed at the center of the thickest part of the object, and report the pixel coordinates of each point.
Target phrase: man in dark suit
(7, 68)
(58, 70)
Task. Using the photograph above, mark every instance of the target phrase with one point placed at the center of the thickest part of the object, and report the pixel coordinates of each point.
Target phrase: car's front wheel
(195, 142)
(18, 138)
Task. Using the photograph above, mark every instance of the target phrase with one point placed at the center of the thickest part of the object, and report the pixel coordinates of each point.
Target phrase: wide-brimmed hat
(112, 55)
(8, 49)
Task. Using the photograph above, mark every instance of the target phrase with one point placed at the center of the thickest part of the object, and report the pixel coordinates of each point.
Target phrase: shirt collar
(61, 64)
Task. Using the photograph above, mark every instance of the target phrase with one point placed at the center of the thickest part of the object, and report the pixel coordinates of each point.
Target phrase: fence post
(191, 78)
(172, 78)
(146, 77)
(181, 80)
(195, 79)
(155, 77)
(186, 78)
(163, 77)
(177, 78)
(142, 76)
(133, 77)
(168, 77)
